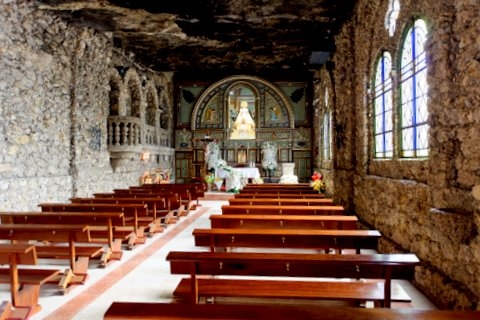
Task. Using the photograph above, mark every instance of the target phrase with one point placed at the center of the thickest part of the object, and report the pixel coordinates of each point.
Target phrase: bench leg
(114, 253)
(8, 312)
(27, 297)
(68, 278)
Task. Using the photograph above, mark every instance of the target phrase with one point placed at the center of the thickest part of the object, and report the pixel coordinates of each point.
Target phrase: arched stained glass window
(327, 129)
(383, 108)
(391, 16)
(414, 93)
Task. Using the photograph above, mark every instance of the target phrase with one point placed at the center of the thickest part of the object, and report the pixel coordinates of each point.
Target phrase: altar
(245, 173)
(239, 178)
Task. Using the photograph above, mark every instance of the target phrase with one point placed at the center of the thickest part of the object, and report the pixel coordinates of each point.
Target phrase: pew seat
(384, 267)
(352, 291)
(178, 311)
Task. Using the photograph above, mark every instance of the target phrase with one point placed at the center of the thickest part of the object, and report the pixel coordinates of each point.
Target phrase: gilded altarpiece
(241, 113)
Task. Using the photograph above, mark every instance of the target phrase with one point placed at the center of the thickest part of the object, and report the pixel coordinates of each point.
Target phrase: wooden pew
(224, 239)
(98, 222)
(156, 208)
(186, 191)
(253, 221)
(356, 267)
(278, 195)
(174, 201)
(287, 210)
(132, 231)
(178, 311)
(278, 185)
(282, 201)
(280, 191)
(24, 282)
(54, 233)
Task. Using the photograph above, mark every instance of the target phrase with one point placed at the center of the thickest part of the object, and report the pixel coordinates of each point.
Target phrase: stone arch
(134, 101)
(116, 94)
(165, 115)
(218, 90)
(152, 104)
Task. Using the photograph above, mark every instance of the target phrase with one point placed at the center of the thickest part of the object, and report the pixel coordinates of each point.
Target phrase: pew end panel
(24, 282)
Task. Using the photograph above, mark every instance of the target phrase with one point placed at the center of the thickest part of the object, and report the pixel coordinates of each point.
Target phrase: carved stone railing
(129, 140)
(123, 133)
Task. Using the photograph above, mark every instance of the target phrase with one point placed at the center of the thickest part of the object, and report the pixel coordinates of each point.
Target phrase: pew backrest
(275, 209)
(252, 221)
(216, 238)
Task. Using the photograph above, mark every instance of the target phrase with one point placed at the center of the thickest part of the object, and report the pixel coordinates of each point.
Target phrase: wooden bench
(178, 311)
(195, 190)
(278, 185)
(278, 195)
(54, 233)
(24, 282)
(174, 199)
(282, 201)
(224, 239)
(132, 231)
(185, 190)
(157, 209)
(269, 221)
(380, 268)
(98, 222)
(284, 210)
(280, 191)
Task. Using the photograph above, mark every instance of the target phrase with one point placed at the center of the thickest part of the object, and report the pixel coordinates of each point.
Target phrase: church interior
(378, 98)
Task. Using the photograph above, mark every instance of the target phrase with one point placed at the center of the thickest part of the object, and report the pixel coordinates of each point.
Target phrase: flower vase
(218, 184)
(209, 187)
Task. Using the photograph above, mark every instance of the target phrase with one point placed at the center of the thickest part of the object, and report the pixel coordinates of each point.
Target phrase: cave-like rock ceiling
(234, 36)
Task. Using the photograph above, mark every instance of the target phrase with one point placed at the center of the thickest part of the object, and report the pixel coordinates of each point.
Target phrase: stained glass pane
(414, 93)
(383, 106)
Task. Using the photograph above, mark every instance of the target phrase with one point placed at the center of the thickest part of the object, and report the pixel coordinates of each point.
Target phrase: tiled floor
(142, 274)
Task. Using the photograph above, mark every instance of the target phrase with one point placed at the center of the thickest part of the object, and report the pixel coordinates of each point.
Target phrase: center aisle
(142, 275)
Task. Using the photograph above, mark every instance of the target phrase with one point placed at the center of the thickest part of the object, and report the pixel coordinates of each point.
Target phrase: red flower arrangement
(317, 182)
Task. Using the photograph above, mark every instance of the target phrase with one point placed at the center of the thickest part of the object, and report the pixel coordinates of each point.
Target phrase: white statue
(213, 156)
(269, 159)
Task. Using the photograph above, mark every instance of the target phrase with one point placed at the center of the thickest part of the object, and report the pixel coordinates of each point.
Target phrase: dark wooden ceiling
(238, 36)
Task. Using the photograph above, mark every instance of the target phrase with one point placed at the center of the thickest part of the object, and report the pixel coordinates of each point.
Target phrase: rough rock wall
(428, 207)
(54, 96)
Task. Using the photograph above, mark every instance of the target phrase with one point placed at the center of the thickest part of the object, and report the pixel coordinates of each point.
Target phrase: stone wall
(54, 102)
(428, 207)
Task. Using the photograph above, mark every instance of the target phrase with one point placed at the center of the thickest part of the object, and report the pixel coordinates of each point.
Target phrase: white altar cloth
(245, 173)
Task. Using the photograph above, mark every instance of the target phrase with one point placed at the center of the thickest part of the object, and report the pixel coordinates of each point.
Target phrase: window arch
(327, 129)
(383, 108)
(414, 93)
